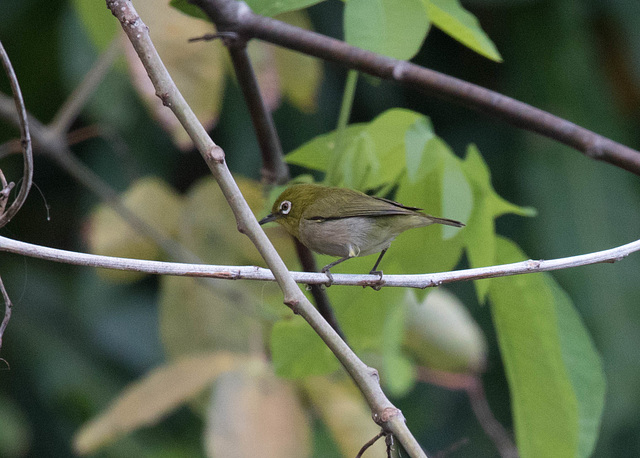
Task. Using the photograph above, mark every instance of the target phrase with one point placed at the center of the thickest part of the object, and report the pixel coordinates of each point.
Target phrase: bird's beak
(268, 219)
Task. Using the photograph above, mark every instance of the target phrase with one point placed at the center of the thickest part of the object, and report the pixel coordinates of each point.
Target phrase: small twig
(8, 306)
(490, 424)
(74, 104)
(318, 292)
(369, 444)
(5, 190)
(25, 137)
(472, 385)
(215, 36)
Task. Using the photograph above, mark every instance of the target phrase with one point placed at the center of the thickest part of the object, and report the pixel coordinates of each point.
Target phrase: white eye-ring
(285, 207)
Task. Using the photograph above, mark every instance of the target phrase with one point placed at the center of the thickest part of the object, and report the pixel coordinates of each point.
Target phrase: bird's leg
(325, 269)
(378, 272)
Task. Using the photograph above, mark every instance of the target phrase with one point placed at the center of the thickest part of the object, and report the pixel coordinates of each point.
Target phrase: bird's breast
(346, 236)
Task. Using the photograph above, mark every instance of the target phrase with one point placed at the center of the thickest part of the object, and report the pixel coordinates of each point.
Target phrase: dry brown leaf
(345, 413)
(148, 400)
(255, 414)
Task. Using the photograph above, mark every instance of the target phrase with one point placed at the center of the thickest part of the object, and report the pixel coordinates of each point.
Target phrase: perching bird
(345, 223)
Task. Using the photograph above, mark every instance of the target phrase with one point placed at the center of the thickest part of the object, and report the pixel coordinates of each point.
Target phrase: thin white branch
(262, 274)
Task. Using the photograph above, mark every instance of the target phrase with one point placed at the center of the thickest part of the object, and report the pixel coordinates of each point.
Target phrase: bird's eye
(285, 207)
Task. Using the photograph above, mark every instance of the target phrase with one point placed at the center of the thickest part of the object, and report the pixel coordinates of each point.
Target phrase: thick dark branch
(274, 169)
(234, 16)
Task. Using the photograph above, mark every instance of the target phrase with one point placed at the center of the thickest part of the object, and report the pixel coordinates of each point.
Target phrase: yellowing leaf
(442, 335)
(255, 414)
(346, 414)
(148, 400)
(212, 315)
(151, 200)
(300, 75)
(196, 68)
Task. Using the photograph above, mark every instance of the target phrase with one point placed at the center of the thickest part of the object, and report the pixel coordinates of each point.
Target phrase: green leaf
(274, 7)
(450, 17)
(416, 138)
(315, 154)
(480, 237)
(390, 27)
(189, 9)
(555, 374)
(457, 198)
(297, 351)
(397, 370)
(100, 27)
(425, 249)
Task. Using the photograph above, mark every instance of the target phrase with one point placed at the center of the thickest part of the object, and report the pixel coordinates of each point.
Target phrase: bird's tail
(446, 221)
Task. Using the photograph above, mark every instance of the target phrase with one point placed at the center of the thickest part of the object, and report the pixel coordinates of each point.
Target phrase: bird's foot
(329, 277)
(378, 284)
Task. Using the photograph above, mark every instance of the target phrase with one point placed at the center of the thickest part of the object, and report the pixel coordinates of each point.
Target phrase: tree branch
(366, 379)
(274, 169)
(234, 16)
(310, 278)
(25, 137)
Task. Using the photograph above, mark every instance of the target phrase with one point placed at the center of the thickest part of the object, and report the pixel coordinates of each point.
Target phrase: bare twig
(318, 292)
(5, 190)
(366, 378)
(261, 274)
(74, 104)
(472, 385)
(233, 16)
(8, 306)
(25, 137)
(369, 444)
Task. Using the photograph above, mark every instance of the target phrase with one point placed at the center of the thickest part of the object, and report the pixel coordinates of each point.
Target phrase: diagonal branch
(384, 412)
(237, 17)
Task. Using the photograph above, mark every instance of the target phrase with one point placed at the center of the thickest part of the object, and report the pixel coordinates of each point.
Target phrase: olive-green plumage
(343, 222)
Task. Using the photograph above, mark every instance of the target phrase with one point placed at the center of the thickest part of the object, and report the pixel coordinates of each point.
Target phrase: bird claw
(378, 285)
(329, 277)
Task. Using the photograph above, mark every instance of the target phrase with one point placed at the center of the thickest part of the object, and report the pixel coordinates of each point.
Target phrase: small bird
(345, 223)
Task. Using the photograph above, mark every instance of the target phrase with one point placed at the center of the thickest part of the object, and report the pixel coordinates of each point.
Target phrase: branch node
(373, 373)
(215, 154)
(293, 304)
(165, 97)
(387, 414)
(595, 150)
(399, 70)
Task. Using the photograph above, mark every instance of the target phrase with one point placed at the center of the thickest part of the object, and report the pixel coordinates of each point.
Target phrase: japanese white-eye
(345, 223)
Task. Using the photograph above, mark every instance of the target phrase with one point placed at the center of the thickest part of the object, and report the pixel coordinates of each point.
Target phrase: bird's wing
(356, 204)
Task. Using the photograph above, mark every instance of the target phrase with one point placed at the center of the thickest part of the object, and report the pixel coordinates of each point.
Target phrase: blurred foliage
(75, 341)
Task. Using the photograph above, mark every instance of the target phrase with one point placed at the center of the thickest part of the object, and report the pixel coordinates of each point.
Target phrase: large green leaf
(390, 27)
(297, 351)
(271, 7)
(480, 237)
(555, 374)
(450, 17)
